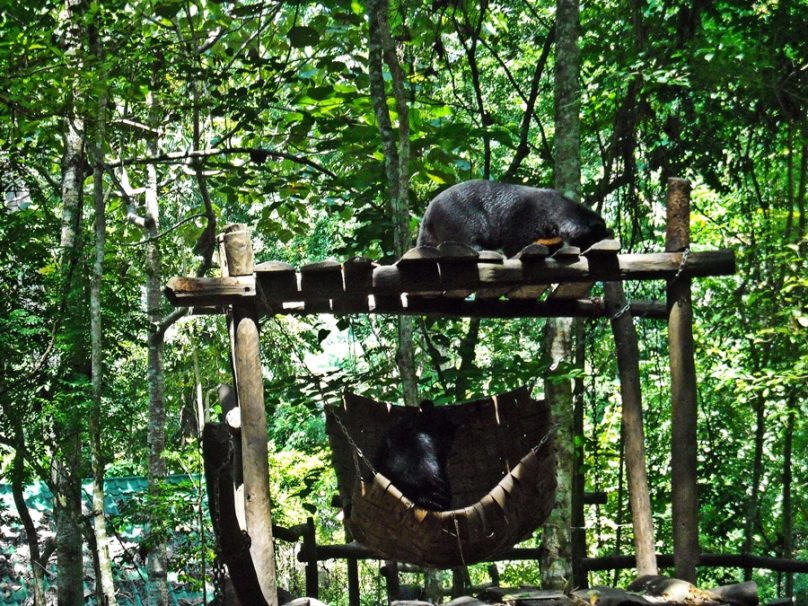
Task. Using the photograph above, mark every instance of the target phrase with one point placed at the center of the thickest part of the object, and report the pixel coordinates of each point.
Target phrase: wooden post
(628, 355)
(310, 551)
(391, 581)
(353, 582)
(683, 390)
(250, 391)
(580, 577)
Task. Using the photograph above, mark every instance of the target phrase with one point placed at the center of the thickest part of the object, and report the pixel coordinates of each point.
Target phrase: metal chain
(682, 263)
(546, 437)
(626, 307)
(357, 452)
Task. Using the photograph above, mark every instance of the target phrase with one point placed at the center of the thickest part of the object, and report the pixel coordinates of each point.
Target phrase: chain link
(626, 307)
(357, 452)
(682, 263)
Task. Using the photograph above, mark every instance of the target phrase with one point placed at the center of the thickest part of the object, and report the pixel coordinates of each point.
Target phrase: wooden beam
(683, 390)
(277, 283)
(209, 292)
(628, 365)
(250, 391)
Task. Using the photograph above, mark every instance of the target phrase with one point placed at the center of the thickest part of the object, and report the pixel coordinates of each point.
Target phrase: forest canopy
(132, 132)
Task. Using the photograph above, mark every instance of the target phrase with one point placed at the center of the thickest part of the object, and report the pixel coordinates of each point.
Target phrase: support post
(353, 582)
(628, 355)
(310, 550)
(250, 391)
(683, 390)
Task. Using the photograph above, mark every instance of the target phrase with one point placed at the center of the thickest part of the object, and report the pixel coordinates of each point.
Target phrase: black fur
(413, 455)
(491, 216)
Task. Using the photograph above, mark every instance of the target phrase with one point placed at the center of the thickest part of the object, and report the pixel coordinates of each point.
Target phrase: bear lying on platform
(491, 216)
(413, 455)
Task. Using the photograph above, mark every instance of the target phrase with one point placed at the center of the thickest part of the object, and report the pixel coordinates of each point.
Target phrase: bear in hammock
(487, 215)
(413, 455)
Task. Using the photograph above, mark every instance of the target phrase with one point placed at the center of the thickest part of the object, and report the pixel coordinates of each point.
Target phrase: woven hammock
(501, 470)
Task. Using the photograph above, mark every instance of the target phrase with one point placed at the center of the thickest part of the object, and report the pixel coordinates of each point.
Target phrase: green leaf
(301, 36)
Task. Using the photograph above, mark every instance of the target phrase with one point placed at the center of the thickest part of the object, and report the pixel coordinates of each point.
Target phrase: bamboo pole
(250, 391)
(683, 390)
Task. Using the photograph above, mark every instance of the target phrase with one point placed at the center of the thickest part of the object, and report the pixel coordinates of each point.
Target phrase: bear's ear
(427, 405)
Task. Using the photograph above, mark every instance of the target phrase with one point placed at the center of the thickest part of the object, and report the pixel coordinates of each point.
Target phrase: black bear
(492, 216)
(413, 455)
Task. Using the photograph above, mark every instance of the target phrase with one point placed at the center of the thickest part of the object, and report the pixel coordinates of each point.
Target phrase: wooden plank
(496, 258)
(510, 273)
(209, 292)
(458, 269)
(418, 267)
(645, 266)
(571, 290)
(533, 251)
(602, 257)
(386, 279)
(490, 256)
(357, 274)
(321, 280)
(533, 291)
(607, 248)
(567, 253)
(276, 281)
(532, 259)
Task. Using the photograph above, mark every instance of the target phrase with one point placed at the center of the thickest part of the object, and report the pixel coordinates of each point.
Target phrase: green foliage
(279, 93)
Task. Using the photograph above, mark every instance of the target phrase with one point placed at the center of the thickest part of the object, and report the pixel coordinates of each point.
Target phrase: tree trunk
(157, 560)
(381, 50)
(467, 356)
(17, 487)
(105, 587)
(557, 563)
(67, 513)
(201, 410)
(757, 472)
(788, 508)
(580, 578)
(66, 476)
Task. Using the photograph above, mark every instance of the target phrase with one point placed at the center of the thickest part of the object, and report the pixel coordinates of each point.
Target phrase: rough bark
(578, 520)
(66, 462)
(683, 391)
(105, 587)
(788, 507)
(17, 487)
(67, 513)
(557, 563)
(156, 561)
(751, 513)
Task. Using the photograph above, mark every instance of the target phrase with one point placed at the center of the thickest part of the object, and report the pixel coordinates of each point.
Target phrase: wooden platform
(452, 280)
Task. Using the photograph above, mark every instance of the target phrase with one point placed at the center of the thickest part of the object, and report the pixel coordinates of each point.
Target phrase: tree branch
(530, 103)
(186, 156)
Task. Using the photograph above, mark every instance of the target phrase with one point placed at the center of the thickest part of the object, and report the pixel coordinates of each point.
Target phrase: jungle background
(132, 132)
